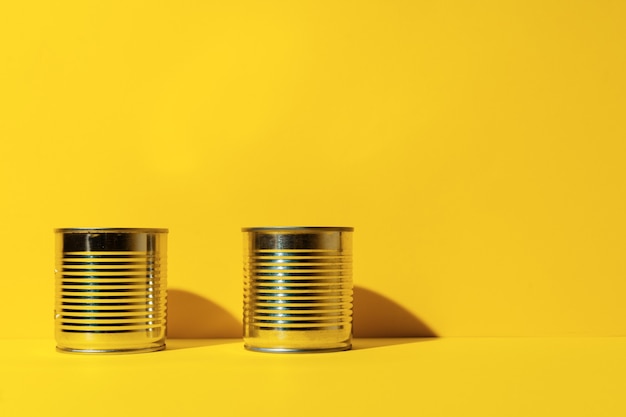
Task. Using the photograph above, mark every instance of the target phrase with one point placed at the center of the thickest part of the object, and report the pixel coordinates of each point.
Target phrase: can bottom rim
(289, 350)
(111, 351)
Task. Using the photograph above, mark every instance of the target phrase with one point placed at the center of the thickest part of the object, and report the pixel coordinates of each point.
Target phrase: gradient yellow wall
(478, 148)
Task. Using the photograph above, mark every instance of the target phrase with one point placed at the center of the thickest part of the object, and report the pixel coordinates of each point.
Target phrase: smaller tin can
(110, 290)
(298, 289)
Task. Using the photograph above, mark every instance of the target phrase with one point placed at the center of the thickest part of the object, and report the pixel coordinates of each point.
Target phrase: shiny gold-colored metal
(111, 289)
(298, 289)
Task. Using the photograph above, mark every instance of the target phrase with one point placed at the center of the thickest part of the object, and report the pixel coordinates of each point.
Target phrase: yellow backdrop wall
(478, 148)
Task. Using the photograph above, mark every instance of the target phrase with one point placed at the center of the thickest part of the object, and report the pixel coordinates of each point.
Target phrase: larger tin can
(298, 289)
(110, 290)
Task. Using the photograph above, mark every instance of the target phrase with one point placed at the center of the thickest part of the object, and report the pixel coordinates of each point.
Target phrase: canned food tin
(298, 289)
(110, 290)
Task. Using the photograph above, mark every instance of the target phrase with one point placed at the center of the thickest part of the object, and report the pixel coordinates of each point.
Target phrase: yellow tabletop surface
(419, 377)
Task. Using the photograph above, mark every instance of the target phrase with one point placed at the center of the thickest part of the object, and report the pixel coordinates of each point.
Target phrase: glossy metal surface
(297, 289)
(110, 290)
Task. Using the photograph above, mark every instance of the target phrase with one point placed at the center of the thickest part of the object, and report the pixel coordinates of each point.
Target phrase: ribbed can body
(110, 290)
(298, 289)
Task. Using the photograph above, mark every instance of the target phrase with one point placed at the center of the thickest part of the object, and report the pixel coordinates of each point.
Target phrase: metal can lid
(298, 229)
(110, 230)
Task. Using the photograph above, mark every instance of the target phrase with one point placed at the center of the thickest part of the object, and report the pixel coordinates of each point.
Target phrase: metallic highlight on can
(298, 289)
(110, 290)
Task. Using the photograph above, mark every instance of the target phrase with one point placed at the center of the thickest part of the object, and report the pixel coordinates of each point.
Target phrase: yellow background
(435, 377)
(476, 147)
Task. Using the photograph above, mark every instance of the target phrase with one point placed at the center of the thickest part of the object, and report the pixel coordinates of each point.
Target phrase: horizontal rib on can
(115, 292)
(302, 293)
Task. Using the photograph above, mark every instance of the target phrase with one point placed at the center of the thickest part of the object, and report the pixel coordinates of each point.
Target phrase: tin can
(298, 289)
(110, 290)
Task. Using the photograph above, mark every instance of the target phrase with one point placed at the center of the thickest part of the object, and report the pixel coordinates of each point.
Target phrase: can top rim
(110, 230)
(297, 229)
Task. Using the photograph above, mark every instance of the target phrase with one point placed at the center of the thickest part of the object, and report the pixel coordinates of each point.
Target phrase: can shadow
(379, 317)
(194, 321)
